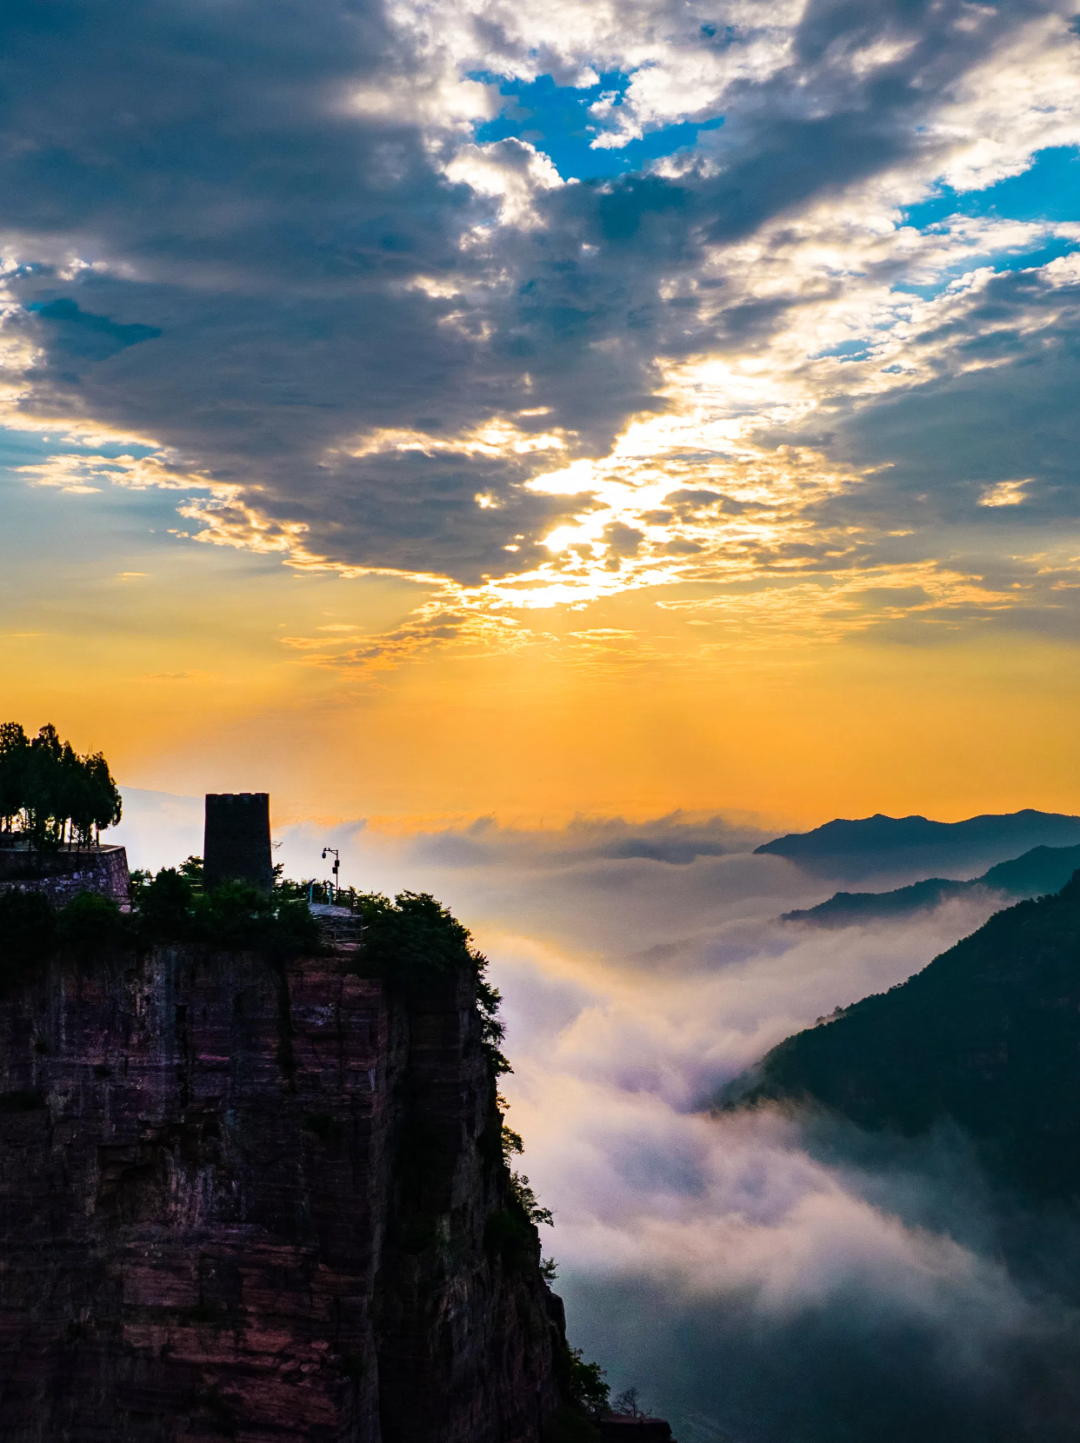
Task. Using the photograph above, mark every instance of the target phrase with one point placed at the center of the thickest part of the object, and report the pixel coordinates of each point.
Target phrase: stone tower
(236, 845)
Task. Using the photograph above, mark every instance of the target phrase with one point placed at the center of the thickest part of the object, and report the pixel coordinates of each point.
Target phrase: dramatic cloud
(336, 273)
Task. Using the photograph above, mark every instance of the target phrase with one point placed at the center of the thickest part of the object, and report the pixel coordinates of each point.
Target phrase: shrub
(165, 908)
(91, 923)
(583, 1383)
(526, 1200)
(168, 909)
(28, 932)
(233, 917)
(413, 939)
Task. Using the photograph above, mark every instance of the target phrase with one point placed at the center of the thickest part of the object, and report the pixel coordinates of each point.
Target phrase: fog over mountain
(986, 1037)
(763, 1278)
(1043, 869)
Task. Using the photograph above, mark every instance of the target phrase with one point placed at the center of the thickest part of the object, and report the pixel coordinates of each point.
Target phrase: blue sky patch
(1048, 190)
(28, 448)
(846, 351)
(556, 120)
(998, 261)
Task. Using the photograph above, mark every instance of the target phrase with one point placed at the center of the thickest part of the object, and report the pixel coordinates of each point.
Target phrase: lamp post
(333, 851)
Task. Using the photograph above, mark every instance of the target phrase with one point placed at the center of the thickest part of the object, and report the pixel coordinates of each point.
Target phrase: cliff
(987, 1036)
(263, 1201)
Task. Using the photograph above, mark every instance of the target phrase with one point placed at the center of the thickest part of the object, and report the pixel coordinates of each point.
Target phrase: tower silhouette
(236, 841)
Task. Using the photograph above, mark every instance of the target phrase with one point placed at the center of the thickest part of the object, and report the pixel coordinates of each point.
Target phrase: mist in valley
(759, 1276)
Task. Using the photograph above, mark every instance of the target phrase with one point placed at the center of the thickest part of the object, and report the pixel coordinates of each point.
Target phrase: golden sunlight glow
(680, 620)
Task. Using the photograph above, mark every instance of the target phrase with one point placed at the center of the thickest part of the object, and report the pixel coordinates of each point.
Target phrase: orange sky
(180, 672)
(414, 438)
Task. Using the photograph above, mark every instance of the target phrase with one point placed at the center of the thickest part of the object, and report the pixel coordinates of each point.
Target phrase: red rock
(254, 1202)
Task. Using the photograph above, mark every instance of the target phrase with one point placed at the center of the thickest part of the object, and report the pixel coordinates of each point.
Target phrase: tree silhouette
(628, 1403)
(49, 793)
(14, 754)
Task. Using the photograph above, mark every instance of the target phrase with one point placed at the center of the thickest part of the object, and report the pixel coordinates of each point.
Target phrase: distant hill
(881, 844)
(1042, 870)
(987, 1035)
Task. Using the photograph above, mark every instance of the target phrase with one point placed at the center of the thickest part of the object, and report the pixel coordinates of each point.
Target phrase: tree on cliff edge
(51, 792)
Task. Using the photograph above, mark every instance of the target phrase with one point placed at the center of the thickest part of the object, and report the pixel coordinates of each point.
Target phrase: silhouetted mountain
(881, 844)
(987, 1035)
(1043, 869)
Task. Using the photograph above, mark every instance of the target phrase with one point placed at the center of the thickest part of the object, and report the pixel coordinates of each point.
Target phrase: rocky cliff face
(262, 1202)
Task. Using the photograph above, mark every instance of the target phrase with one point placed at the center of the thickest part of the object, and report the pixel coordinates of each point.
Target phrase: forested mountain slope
(987, 1035)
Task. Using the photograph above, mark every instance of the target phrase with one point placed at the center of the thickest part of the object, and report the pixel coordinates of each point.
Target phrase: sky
(434, 410)
(552, 447)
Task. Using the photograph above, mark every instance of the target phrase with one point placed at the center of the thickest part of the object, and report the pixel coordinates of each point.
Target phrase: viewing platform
(61, 873)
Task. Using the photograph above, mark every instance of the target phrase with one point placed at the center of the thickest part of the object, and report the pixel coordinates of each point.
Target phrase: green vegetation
(173, 907)
(988, 1035)
(168, 908)
(583, 1383)
(54, 795)
(28, 932)
(511, 1230)
(527, 1201)
(414, 941)
(1037, 872)
(91, 923)
(586, 1399)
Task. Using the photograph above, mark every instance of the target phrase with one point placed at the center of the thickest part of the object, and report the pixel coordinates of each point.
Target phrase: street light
(333, 851)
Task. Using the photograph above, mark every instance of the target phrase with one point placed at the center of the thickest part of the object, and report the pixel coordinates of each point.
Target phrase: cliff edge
(260, 1199)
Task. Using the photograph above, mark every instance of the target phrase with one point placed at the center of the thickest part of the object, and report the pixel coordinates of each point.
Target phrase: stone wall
(256, 1202)
(63, 874)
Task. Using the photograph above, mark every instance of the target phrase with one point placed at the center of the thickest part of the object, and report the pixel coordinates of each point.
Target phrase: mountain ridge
(916, 846)
(1036, 872)
(881, 831)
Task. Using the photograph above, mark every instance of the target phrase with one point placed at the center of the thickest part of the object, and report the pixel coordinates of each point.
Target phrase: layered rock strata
(261, 1202)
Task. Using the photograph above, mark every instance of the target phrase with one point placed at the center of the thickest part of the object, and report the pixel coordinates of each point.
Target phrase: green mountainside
(988, 1035)
(1043, 869)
